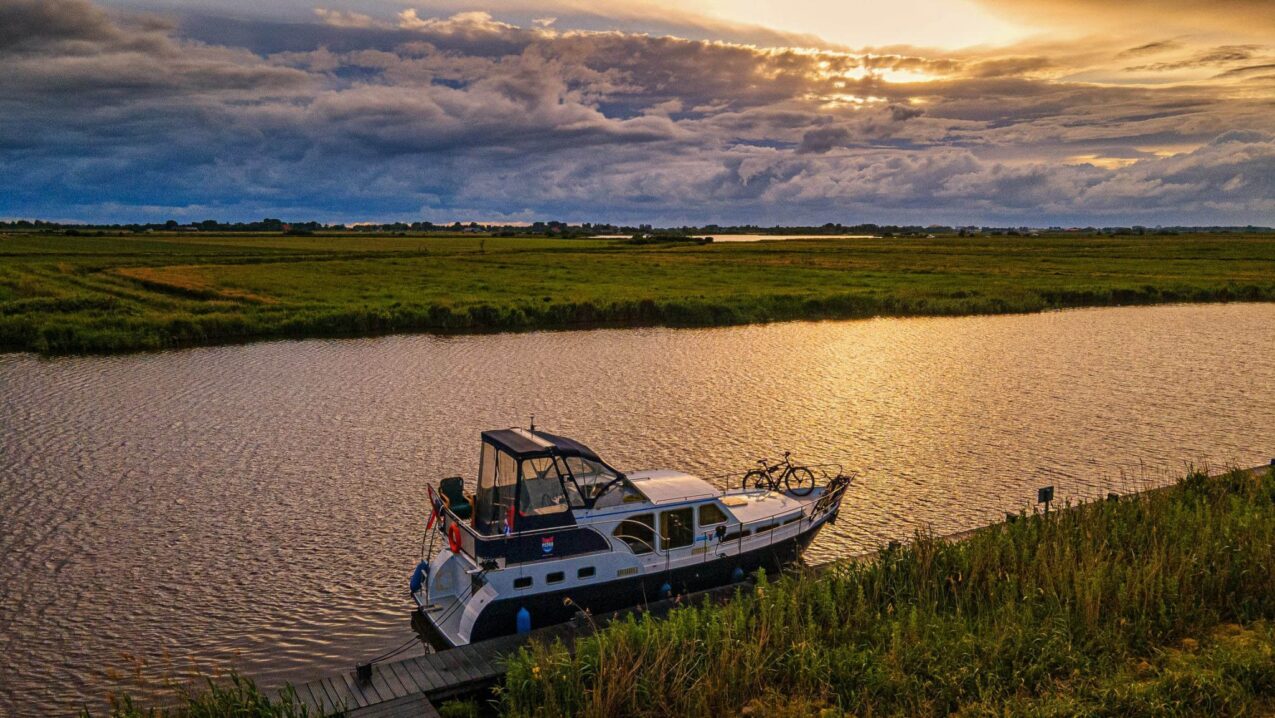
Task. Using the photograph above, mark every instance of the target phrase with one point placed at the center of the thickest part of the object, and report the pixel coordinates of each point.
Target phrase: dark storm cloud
(823, 140)
(1151, 48)
(1249, 70)
(1224, 55)
(116, 116)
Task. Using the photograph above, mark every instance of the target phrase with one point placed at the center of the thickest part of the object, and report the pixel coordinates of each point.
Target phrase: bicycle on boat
(796, 479)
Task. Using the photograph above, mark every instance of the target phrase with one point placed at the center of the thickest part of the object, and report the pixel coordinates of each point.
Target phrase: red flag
(433, 504)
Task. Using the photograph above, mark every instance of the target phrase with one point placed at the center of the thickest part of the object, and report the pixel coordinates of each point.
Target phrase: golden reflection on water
(261, 506)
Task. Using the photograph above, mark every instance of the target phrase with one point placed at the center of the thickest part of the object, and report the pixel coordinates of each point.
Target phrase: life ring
(453, 538)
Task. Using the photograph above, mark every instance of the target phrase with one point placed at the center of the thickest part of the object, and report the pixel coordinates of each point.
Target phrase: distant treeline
(588, 229)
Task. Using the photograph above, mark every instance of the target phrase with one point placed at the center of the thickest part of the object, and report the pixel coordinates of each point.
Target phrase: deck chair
(453, 491)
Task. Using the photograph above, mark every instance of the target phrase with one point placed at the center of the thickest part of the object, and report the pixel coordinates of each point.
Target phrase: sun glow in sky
(1080, 112)
(867, 23)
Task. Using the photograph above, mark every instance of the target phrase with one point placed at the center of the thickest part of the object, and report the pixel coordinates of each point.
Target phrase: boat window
(591, 476)
(586, 572)
(524, 582)
(620, 493)
(542, 491)
(676, 528)
(734, 535)
(555, 577)
(638, 532)
(497, 483)
(709, 514)
(575, 498)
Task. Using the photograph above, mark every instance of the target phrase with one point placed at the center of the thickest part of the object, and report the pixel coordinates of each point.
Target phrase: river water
(260, 506)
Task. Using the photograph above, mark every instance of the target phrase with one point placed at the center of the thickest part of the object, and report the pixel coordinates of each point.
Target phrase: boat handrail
(469, 535)
(806, 511)
(829, 471)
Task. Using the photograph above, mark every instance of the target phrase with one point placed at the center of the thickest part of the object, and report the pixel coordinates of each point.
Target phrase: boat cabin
(530, 480)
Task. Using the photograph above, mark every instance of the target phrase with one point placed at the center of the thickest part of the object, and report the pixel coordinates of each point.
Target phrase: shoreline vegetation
(1157, 604)
(78, 294)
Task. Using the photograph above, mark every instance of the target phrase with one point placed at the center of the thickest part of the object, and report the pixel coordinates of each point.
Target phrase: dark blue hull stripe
(549, 608)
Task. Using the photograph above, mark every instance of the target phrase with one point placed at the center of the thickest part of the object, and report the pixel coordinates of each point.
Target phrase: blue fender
(419, 575)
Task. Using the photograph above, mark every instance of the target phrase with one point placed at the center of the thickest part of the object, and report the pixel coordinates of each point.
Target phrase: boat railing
(827, 472)
(834, 485)
(835, 488)
(470, 538)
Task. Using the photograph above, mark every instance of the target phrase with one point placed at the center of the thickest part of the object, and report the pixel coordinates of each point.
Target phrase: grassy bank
(64, 294)
(1150, 606)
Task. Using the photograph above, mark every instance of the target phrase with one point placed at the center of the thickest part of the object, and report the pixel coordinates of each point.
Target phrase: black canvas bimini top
(525, 444)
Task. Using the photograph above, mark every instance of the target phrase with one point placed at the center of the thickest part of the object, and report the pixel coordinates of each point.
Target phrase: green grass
(1160, 605)
(62, 294)
(234, 697)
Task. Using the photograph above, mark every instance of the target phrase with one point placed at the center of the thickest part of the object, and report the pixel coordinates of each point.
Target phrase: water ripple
(260, 506)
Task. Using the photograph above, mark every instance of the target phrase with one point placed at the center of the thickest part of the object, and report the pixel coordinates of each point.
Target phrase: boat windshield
(543, 490)
(591, 477)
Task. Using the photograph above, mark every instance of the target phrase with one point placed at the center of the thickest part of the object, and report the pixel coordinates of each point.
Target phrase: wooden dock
(409, 687)
(412, 686)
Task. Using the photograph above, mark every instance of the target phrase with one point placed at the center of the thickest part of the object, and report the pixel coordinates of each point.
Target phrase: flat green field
(67, 294)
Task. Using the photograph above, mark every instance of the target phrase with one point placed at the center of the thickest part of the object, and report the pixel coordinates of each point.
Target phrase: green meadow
(94, 294)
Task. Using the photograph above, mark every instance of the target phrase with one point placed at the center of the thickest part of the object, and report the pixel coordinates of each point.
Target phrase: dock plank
(401, 673)
(338, 693)
(458, 664)
(443, 666)
(360, 698)
(427, 673)
(417, 706)
(379, 687)
(417, 674)
(479, 665)
(318, 697)
(454, 660)
(385, 672)
(306, 693)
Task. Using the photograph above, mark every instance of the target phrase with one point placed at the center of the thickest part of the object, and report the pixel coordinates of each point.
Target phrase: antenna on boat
(533, 422)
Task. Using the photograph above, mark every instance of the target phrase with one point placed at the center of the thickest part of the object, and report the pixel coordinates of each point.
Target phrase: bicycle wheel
(799, 481)
(757, 479)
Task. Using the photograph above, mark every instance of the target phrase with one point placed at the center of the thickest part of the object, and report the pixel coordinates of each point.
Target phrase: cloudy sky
(729, 111)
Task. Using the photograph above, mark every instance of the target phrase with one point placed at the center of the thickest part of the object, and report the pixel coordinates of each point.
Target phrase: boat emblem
(546, 544)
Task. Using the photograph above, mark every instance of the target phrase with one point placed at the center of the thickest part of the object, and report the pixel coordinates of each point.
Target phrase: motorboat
(550, 529)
